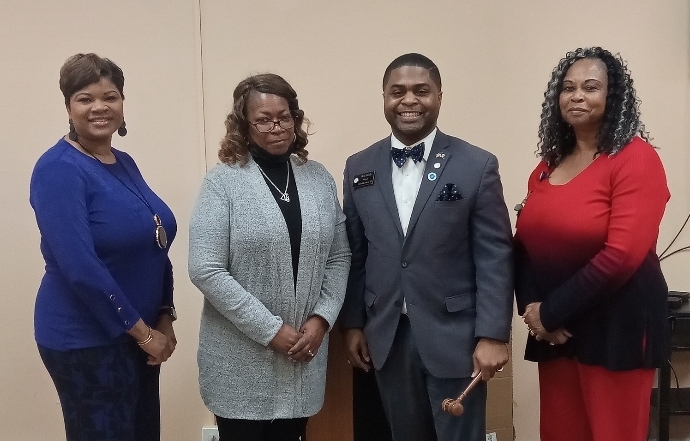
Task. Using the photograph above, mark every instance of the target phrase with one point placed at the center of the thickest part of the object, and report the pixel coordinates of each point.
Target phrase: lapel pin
(431, 176)
(440, 155)
(437, 165)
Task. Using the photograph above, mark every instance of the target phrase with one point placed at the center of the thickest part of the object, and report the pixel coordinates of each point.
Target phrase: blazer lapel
(438, 155)
(384, 174)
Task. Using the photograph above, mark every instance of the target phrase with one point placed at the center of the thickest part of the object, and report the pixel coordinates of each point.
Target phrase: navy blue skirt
(107, 393)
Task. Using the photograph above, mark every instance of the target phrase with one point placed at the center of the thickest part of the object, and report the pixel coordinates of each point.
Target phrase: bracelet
(148, 339)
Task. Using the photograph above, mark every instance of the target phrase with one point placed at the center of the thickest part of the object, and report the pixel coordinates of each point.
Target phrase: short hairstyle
(81, 70)
(234, 147)
(621, 121)
(417, 60)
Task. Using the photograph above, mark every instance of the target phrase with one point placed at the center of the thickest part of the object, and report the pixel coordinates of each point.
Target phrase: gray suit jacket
(453, 268)
(240, 258)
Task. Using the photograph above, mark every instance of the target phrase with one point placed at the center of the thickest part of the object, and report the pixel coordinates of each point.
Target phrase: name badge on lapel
(363, 180)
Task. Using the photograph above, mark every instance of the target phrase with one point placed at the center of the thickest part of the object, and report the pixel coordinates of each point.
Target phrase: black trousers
(369, 419)
(294, 429)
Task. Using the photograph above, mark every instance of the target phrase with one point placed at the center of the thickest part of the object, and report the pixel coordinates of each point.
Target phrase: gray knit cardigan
(240, 259)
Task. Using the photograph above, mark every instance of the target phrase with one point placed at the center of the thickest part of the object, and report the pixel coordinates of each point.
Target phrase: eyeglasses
(267, 125)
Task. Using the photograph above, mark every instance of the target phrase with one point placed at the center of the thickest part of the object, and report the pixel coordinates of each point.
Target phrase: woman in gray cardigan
(268, 249)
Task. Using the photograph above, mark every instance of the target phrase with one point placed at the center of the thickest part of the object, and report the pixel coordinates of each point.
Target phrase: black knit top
(276, 168)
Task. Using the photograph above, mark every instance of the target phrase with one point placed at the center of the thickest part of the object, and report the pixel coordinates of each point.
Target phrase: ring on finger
(311, 354)
(531, 332)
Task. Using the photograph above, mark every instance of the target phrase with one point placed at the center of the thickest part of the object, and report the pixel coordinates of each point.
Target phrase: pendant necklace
(161, 235)
(284, 196)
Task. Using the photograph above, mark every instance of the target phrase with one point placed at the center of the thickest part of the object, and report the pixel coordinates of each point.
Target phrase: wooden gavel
(454, 407)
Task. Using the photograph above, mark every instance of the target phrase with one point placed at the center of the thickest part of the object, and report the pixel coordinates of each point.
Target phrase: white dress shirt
(406, 182)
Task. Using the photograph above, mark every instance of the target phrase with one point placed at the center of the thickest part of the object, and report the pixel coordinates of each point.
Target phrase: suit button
(398, 303)
(404, 264)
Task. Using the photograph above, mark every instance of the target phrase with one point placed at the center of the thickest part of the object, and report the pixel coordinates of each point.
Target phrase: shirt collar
(428, 142)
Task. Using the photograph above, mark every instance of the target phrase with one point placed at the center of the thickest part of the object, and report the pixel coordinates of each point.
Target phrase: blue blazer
(453, 268)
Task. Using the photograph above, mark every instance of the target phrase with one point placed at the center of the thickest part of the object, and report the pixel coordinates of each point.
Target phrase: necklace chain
(161, 235)
(284, 196)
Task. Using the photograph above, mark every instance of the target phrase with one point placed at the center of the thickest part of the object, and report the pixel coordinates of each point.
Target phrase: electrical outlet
(209, 434)
(491, 436)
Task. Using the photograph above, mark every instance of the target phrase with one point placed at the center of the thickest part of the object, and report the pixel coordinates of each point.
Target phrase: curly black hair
(621, 115)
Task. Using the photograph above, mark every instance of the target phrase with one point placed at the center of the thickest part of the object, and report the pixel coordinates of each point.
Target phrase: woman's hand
(532, 319)
(313, 332)
(285, 339)
(557, 337)
(165, 327)
(159, 347)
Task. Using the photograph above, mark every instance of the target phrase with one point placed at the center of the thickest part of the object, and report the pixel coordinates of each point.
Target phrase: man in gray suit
(429, 298)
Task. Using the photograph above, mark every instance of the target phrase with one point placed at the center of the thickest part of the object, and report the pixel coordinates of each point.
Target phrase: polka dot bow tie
(400, 155)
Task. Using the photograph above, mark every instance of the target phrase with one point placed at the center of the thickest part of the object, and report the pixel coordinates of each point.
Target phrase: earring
(72, 135)
(122, 131)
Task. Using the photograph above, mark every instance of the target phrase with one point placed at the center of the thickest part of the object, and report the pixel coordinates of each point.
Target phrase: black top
(276, 168)
(613, 333)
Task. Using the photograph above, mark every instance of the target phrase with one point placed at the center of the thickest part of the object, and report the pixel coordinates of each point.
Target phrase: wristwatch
(170, 310)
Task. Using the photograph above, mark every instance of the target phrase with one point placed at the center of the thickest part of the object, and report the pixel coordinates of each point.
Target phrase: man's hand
(357, 348)
(489, 356)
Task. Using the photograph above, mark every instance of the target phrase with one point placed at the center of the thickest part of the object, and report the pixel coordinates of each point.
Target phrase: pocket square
(449, 192)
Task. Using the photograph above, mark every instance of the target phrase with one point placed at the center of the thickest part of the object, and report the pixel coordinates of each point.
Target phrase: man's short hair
(417, 60)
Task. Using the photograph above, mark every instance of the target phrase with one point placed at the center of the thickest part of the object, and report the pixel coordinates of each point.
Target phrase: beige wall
(495, 59)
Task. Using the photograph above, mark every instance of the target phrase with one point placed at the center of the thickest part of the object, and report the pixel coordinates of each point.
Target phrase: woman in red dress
(588, 281)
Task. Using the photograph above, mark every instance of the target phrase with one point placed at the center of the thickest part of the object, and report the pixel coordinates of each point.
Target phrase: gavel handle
(454, 407)
(471, 386)
(467, 390)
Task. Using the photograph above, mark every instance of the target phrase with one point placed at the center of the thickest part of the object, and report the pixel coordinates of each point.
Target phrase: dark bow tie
(400, 155)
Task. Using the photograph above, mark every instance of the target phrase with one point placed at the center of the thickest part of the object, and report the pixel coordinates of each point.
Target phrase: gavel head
(453, 407)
